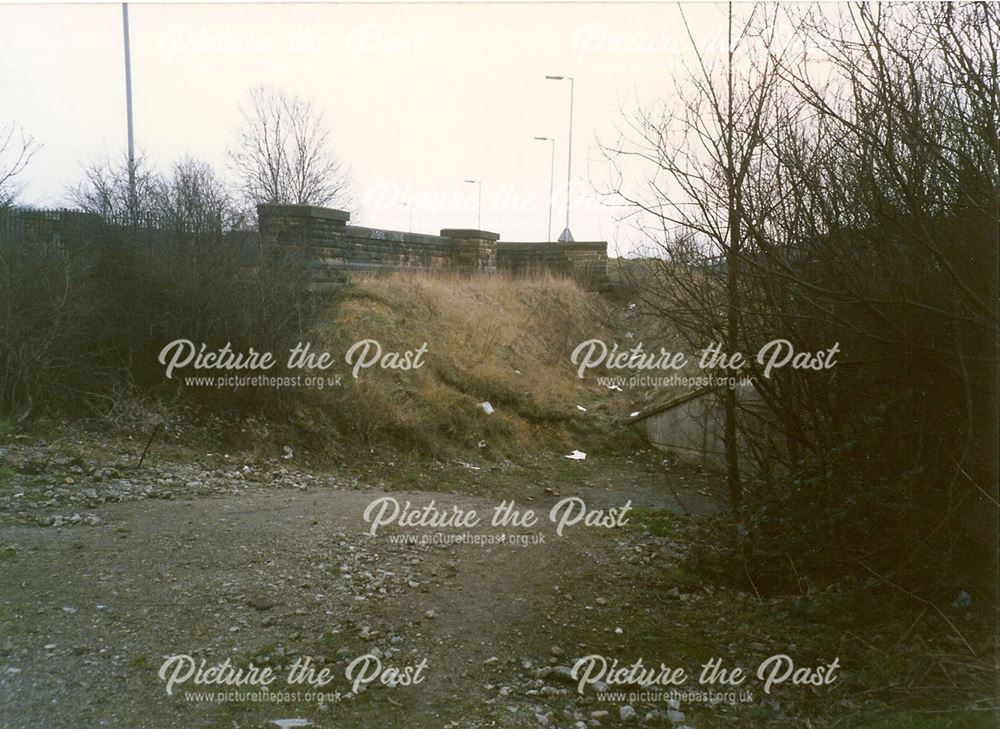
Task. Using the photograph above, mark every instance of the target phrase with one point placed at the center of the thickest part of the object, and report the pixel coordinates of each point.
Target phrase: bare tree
(283, 154)
(849, 181)
(700, 154)
(105, 191)
(190, 205)
(192, 200)
(16, 151)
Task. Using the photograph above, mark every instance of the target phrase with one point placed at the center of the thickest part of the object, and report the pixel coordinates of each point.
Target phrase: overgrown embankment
(496, 340)
(89, 348)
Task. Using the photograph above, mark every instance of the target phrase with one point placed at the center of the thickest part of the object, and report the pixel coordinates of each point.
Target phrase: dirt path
(266, 576)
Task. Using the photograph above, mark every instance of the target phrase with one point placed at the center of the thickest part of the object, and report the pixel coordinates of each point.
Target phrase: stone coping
(399, 236)
(304, 211)
(555, 245)
(469, 233)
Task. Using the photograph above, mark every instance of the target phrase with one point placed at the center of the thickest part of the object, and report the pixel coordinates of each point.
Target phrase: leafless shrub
(16, 151)
(84, 312)
(105, 191)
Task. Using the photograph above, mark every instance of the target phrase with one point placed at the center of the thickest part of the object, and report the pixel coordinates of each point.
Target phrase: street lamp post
(479, 204)
(410, 209)
(133, 203)
(566, 236)
(552, 172)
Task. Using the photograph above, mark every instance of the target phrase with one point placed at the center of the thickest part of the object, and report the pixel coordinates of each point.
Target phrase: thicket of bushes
(856, 206)
(87, 316)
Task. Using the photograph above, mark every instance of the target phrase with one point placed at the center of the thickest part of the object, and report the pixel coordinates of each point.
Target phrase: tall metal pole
(409, 207)
(567, 236)
(552, 176)
(133, 202)
(569, 161)
(479, 204)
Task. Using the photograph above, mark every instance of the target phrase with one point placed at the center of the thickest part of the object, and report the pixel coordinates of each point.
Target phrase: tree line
(282, 153)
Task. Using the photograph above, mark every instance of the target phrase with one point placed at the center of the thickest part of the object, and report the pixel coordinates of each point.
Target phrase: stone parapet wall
(333, 247)
(587, 262)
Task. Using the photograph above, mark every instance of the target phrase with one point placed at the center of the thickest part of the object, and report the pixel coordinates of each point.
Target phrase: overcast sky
(419, 97)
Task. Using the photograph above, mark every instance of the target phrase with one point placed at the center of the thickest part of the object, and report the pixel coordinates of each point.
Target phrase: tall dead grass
(497, 339)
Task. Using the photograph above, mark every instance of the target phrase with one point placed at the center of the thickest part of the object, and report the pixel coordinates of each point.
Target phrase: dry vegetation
(496, 339)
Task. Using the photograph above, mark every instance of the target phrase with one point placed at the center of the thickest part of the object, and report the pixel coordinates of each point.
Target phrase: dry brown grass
(496, 339)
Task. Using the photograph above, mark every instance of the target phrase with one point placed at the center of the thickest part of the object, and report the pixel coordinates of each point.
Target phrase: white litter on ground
(581, 408)
(632, 415)
(487, 408)
(577, 456)
(289, 723)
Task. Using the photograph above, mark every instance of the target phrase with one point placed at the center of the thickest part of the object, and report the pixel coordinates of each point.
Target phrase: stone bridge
(334, 248)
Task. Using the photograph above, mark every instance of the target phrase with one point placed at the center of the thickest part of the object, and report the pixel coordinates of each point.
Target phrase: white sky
(419, 97)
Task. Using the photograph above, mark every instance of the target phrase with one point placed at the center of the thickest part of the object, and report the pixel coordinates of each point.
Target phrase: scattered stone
(260, 602)
(562, 673)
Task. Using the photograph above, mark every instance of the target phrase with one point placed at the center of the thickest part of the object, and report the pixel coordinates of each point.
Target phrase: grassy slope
(488, 339)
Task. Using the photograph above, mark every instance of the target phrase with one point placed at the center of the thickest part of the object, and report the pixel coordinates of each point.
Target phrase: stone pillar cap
(306, 211)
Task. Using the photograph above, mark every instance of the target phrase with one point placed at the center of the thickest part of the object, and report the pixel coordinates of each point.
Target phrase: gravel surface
(109, 569)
